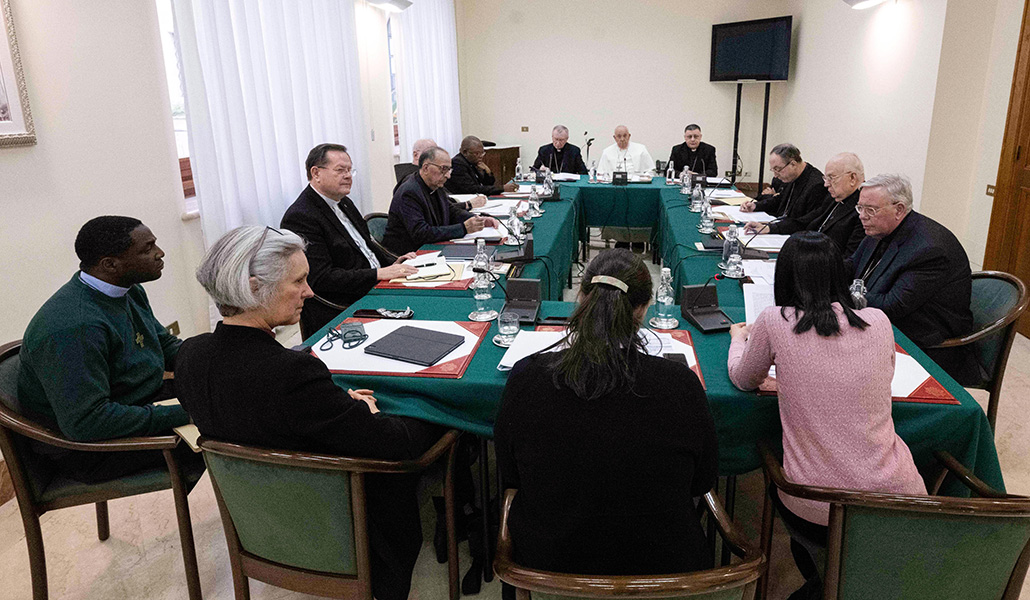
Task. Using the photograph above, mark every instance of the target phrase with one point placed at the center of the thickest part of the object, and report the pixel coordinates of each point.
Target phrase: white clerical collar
(332, 203)
(101, 286)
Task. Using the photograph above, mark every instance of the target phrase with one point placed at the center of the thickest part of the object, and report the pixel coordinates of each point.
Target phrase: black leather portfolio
(415, 345)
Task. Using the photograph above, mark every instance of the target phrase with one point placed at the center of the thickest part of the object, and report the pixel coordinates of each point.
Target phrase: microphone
(693, 301)
(702, 309)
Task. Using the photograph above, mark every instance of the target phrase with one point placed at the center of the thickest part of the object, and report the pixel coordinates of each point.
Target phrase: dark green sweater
(83, 368)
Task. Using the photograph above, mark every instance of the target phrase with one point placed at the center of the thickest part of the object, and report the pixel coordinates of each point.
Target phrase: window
(393, 90)
(167, 26)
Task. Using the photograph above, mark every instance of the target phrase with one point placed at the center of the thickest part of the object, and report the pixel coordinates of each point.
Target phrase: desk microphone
(693, 301)
(702, 309)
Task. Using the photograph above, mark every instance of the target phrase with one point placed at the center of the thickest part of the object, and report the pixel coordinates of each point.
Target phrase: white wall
(595, 64)
(862, 81)
(99, 99)
(374, 57)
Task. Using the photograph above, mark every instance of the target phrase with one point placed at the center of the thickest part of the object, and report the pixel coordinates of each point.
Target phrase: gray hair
(560, 129)
(229, 264)
(788, 152)
(897, 187)
(851, 163)
(420, 146)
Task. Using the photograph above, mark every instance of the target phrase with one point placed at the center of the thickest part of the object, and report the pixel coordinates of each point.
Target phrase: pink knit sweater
(835, 404)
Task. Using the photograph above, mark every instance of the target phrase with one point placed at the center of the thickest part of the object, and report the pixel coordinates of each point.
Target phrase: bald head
(843, 175)
(622, 136)
(419, 147)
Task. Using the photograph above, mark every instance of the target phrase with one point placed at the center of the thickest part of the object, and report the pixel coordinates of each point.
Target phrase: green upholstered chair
(998, 300)
(734, 582)
(377, 228)
(890, 546)
(39, 489)
(297, 520)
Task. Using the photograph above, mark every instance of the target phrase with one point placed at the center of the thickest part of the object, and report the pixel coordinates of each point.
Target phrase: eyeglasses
(257, 247)
(443, 170)
(869, 211)
(832, 178)
(351, 338)
(777, 170)
(341, 171)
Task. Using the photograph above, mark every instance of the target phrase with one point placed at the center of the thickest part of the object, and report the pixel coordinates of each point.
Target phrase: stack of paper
(770, 242)
(565, 176)
(757, 297)
(529, 342)
(734, 213)
(761, 271)
(497, 207)
(463, 197)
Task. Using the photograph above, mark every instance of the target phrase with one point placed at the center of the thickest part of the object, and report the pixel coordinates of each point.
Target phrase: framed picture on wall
(16, 127)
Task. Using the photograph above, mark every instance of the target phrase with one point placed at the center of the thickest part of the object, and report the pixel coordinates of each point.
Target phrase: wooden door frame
(1000, 251)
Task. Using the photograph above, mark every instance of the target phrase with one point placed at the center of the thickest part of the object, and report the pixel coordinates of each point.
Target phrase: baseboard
(6, 487)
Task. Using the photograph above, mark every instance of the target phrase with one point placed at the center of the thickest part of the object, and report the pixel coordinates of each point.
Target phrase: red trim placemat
(461, 284)
(452, 369)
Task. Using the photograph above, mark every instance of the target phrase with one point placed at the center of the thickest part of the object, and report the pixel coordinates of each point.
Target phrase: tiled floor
(142, 558)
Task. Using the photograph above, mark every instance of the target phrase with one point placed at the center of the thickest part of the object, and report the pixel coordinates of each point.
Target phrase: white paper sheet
(761, 271)
(339, 359)
(565, 176)
(490, 234)
(908, 375)
(767, 241)
(438, 268)
(734, 213)
(422, 260)
(526, 343)
(757, 297)
(463, 197)
(719, 193)
(497, 207)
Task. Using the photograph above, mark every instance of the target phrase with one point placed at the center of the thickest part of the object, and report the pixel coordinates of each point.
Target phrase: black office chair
(402, 170)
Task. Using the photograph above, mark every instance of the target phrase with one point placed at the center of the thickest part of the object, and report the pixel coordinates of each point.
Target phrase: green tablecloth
(741, 418)
(554, 245)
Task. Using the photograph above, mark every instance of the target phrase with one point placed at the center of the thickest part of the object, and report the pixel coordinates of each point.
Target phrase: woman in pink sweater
(834, 366)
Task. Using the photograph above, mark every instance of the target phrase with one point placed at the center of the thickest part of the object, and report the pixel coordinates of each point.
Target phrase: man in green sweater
(93, 356)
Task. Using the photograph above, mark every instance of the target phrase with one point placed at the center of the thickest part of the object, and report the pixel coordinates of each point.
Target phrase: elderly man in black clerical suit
(470, 175)
(916, 272)
(838, 219)
(560, 156)
(421, 211)
(802, 198)
(695, 155)
(344, 262)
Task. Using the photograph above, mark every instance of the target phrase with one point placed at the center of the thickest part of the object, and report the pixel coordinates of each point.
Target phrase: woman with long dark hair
(834, 366)
(606, 445)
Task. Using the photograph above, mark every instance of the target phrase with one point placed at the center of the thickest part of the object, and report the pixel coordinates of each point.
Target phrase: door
(1008, 242)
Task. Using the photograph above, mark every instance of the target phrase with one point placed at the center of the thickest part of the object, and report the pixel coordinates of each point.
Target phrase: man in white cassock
(624, 154)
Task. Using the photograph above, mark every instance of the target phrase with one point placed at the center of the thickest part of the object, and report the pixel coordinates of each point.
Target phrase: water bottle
(481, 285)
(730, 246)
(707, 225)
(518, 169)
(548, 188)
(514, 225)
(593, 171)
(665, 303)
(670, 174)
(696, 199)
(685, 182)
(534, 203)
(858, 291)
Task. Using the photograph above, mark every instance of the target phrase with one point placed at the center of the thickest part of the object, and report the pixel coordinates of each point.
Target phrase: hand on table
(755, 227)
(395, 271)
(474, 224)
(479, 201)
(364, 396)
(768, 191)
(404, 257)
(511, 186)
(748, 206)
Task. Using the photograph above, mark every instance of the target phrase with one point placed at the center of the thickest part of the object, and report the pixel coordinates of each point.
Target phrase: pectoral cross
(139, 339)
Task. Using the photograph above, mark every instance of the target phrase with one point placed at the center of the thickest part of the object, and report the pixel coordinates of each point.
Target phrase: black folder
(415, 345)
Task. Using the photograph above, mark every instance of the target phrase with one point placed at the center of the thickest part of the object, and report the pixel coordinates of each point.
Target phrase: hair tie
(615, 283)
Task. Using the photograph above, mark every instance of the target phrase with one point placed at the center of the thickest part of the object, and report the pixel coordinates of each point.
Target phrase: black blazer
(605, 486)
(696, 160)
(570, 161)
(840, 222)
(339, 272)
(799, 202)
(418, 216)
(240, 385)
(467, 179)
(923, 284)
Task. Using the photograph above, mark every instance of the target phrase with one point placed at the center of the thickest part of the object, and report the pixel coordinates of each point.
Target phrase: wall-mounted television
(751, 50)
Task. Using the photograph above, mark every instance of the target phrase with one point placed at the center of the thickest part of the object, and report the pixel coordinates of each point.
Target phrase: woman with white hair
(240, 385)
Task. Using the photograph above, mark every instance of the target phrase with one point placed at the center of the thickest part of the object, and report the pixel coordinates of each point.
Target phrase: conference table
(555, 236)
(470, 403)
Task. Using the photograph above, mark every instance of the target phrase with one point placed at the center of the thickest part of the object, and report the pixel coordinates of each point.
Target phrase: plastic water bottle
(685, 182)
(858, 291)
(518, 169)
(481, 284)
(548, 188)
(696, 199)
(670, 174)
(665, 303)
(534, 203)
(514, 225)
(593, 171)
(730, 246)
(707, 225)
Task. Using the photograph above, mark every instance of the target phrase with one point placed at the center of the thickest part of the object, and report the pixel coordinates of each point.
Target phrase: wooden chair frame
(12, 423)
(744, 574)
(246, 565)
(1008, 322)
(991, 502)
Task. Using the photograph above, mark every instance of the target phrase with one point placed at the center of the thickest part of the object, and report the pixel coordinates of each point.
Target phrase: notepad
(415, 345)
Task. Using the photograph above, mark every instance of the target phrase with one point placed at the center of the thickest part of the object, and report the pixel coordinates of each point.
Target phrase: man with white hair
(624, 155)
(560, 156)
(838, 220)
(916, 272)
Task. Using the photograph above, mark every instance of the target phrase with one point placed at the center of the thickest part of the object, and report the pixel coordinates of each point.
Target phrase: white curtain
(264, 82)
(427, 49)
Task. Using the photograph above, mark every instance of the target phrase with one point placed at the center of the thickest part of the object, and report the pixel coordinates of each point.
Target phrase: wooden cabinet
(501, 160)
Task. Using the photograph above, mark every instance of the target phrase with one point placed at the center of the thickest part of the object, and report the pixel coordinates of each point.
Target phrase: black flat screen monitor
(751, 50)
